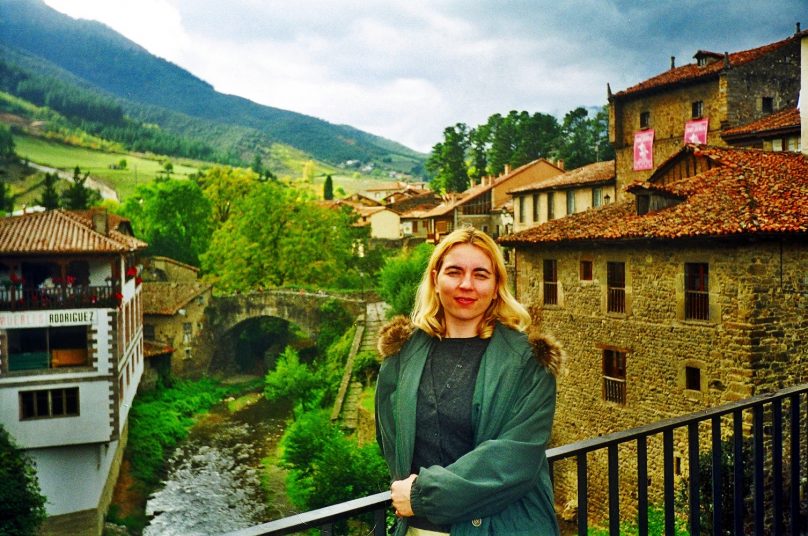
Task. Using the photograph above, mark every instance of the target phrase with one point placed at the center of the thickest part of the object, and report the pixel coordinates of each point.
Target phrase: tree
(173, 217)
(78, 196)
(224, 186)
(328, 188)
(448, 160)
(275, 237)
(6, 198)
(22, 506)
(6, 144)
(308, 171)
(400, 277)
(50, 196)
(584, 139)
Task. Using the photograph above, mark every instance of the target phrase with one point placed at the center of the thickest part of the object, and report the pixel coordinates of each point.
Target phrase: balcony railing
(773, 424)
(57, 297)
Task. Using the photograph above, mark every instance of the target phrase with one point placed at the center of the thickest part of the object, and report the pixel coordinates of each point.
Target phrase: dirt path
(105, 191)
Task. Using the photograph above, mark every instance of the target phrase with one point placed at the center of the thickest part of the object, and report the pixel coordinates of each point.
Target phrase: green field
(139, 169)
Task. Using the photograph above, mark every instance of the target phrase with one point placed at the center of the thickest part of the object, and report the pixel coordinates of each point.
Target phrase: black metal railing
(764, 434)
(57, 297)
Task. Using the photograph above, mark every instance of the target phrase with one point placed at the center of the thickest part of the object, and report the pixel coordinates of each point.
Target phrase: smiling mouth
(465, 301)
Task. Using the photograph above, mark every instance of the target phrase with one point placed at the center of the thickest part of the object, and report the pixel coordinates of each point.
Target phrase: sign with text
(41, 319)
(696, 131)
(643, 150)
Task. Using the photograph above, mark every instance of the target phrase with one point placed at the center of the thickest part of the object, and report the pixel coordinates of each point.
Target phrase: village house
(695, 103)
(587, 187)
(779, 131)
(174, 302)
(487, 205)
(688, 293)
(71, 354)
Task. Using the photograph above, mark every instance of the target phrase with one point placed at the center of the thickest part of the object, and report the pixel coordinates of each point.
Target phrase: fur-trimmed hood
(546, 349)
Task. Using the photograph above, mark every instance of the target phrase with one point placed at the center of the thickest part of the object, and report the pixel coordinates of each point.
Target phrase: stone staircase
(346, 408)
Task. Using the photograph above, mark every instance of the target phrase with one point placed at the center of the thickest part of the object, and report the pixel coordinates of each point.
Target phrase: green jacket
(502, 487)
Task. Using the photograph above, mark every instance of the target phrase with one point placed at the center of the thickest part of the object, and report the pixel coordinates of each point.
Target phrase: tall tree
(274, 237)
(6, 198)
(448, 160)
(6, 144)
(224, 186)
(328, 188)
(78, 196)
(50, 196)
(173, 217)
(22, 506)
(584, 139)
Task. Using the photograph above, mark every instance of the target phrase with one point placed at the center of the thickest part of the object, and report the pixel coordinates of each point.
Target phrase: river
(213, 483)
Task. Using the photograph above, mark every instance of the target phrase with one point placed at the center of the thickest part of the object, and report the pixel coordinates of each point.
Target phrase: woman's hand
(400, 493)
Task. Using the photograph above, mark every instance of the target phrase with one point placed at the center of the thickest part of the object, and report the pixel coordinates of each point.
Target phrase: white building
(71, 354)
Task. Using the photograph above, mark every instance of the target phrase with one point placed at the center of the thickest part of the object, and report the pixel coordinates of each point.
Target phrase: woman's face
(466, 285)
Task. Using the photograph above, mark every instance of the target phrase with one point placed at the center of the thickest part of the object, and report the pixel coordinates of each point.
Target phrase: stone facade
(752, 343)
(730, 98)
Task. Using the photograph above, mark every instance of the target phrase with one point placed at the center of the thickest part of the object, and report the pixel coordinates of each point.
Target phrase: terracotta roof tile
(166, 298)
(63, 231)
(692, 72)
(584, 175)
(782, 120)
(748, 192)
(155, 348)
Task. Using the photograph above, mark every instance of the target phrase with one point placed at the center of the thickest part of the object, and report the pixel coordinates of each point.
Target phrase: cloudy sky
(406, 69)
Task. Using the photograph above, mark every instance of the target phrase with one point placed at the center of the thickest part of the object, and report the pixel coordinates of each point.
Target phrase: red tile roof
(166, 298)
(584, 175)
(788, 119)
(692, 72)
(748, 192)
(155, 348)
(63, 231)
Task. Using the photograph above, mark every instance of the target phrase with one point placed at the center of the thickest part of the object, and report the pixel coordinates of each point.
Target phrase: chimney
(673, 62)
(798, 27)
(726, 60)
(101, 222)
(560, 164)
(507, 169)
(803, 89)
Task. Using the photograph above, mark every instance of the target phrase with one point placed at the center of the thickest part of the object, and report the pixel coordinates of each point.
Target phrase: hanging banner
(643, 150)
(696, 131)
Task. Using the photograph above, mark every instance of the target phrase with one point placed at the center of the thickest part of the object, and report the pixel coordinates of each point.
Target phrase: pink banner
(643, 150)
(696, 131)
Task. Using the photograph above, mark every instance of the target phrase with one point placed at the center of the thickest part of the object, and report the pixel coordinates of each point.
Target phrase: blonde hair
(428, 311)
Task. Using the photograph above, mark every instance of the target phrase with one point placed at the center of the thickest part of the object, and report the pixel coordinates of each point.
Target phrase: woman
(465, 401)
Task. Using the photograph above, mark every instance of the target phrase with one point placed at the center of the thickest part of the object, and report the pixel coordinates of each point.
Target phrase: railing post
(667, 462)
(739, 462)
(642, 485)
(795, 465)
(717, 457)
(583, 498)
(614, 492)
(777, 464)
(758, 475)
(694, 504)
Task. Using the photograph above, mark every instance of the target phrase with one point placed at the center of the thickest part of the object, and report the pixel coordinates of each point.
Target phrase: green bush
(400, 277)
(22, 506)
(335, 319)
(293, 380)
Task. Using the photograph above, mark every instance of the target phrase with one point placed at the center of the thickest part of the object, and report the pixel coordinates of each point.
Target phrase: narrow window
(697, 109)
(614, 376)
(570, 202)
(597, 197)
(586, 270)
(49, 403)
(550, 205)
(550, 282)
(536, 208)
(521, 209)
(616, 287)
(697, 300)
(693, 378)
(645, 119)
(767, 105)
(415, 227)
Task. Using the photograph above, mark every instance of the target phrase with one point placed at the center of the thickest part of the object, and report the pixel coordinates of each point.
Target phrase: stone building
(587, 187)
(688, 293)
(650, 121)
(779, 131)
(71, 354)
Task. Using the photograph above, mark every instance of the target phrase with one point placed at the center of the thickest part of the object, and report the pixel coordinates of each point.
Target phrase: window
(550, 282)
(616, 287)
(697, 109)
(693, 378)
(597, 197)
(521, 209)
(586, 270)
(645, 119)
(614, 376)
(767, 105)
(570, 202)
(414, 226)
(535, 207)
(148, 331)
(550, 205)
(697, 301)
(49, 403)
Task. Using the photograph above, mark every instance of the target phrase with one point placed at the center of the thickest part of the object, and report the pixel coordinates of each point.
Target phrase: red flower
(131, 271)
(138, 280)
(15, 278)
(70, 279)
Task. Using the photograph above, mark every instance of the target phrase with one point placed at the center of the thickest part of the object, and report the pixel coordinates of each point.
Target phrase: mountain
(153, 90)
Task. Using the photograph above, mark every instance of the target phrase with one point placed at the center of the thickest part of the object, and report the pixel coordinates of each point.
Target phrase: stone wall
(753, 342)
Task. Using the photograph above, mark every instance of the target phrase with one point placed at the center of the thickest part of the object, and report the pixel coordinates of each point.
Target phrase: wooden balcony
(15, 298)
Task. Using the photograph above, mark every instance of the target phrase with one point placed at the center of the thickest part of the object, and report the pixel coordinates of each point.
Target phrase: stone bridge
(226, 312)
